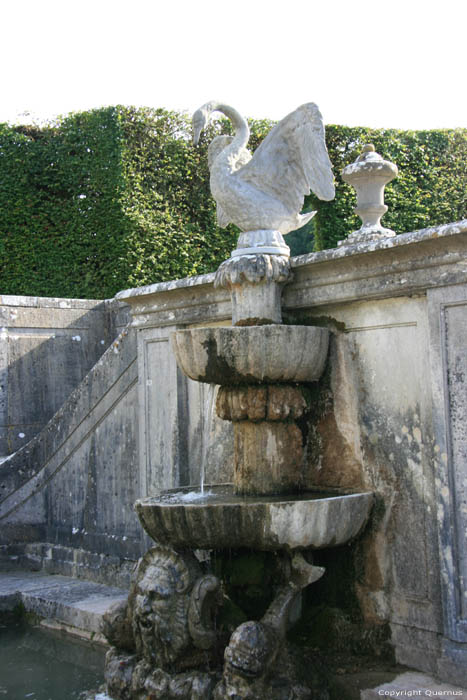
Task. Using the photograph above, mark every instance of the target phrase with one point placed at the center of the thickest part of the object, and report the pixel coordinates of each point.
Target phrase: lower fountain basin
(221, 520)
(231, 355)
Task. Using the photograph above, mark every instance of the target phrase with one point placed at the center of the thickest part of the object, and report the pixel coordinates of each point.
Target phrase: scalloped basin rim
(230, 355)
(315, 520)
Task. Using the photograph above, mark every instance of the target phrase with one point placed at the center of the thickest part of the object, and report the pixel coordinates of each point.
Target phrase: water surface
(43, 665)
(223, 495)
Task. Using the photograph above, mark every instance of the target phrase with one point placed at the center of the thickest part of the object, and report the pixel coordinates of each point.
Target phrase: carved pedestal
(255, 282)
(268, 443)
(168, 643)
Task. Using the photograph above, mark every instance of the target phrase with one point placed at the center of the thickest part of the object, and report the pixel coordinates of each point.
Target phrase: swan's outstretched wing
(292, 160)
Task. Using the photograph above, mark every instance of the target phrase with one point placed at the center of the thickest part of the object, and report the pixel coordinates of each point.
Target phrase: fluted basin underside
(252, 354)
(222, 520)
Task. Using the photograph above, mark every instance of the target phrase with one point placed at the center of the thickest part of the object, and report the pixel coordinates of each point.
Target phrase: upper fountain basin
(222, 520)
(230, 355)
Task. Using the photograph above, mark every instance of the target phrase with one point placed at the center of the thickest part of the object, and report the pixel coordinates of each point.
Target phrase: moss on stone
(249, 579)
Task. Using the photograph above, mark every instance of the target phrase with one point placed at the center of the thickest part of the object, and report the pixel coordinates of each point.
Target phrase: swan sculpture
(266, 191)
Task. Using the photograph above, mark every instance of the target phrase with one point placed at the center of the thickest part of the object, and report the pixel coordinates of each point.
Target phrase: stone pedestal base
(171, 642)
(256, 304)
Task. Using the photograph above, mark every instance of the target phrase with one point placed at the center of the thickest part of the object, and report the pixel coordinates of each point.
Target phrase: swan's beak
(197, 129)
(199, 121)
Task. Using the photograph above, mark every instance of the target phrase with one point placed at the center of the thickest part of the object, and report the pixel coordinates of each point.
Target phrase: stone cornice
(404, 265)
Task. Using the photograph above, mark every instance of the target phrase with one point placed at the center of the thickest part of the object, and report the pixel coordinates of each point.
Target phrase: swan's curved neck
(242, 132)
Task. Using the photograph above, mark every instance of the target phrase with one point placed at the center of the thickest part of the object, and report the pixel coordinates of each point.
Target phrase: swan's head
(199, 122)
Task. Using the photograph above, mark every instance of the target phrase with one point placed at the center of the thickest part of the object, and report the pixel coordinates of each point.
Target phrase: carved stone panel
(448, 317)
(158, 396)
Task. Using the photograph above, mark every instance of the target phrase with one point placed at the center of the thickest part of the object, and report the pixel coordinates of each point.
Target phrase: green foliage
(105, 200)
(173, 230)
(118, 197)
(60, 220)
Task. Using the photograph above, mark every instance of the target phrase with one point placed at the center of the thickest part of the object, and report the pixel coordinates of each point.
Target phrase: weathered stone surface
(127, 678)
(268, 457)
(265, 523)
(256, 354)
(171, 609)
(242, 403)
(401, 265)
(373, 297)
(178, 441)
(447, 309)
(116, 626)
(76, 479)
(268, 452)
(334, 436)
(159, 604)
(60, 600)
(46, 348)
(255, 283)
(258, 663)
(118, 672)
(284, 403)
(207, 439)
(253, 270)
(53, 558)
(267, 191)
(256, 304)
(259, 403)
(169, 617)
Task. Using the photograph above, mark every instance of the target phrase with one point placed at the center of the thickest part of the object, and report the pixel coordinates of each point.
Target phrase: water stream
(209, 392)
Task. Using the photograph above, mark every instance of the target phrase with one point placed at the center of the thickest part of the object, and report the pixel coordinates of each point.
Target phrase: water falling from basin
(209, 391)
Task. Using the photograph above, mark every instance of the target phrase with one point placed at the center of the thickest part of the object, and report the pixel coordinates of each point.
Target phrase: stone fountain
(171, 639)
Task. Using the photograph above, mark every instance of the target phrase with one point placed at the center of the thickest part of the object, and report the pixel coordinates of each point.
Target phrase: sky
(377, 63)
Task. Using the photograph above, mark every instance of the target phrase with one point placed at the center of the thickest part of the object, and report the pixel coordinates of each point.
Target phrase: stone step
(52, 558)
(60, 602)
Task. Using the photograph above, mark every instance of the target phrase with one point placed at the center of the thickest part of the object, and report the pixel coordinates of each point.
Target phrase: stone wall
(393, 420)
(46, 348)
(74, 484)
(390, 418)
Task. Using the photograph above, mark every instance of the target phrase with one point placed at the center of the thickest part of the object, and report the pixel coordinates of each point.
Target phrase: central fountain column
(268, 442)
(260, 365)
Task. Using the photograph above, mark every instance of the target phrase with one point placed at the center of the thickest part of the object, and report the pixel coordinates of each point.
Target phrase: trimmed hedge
(118, 197)
(104, 200)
